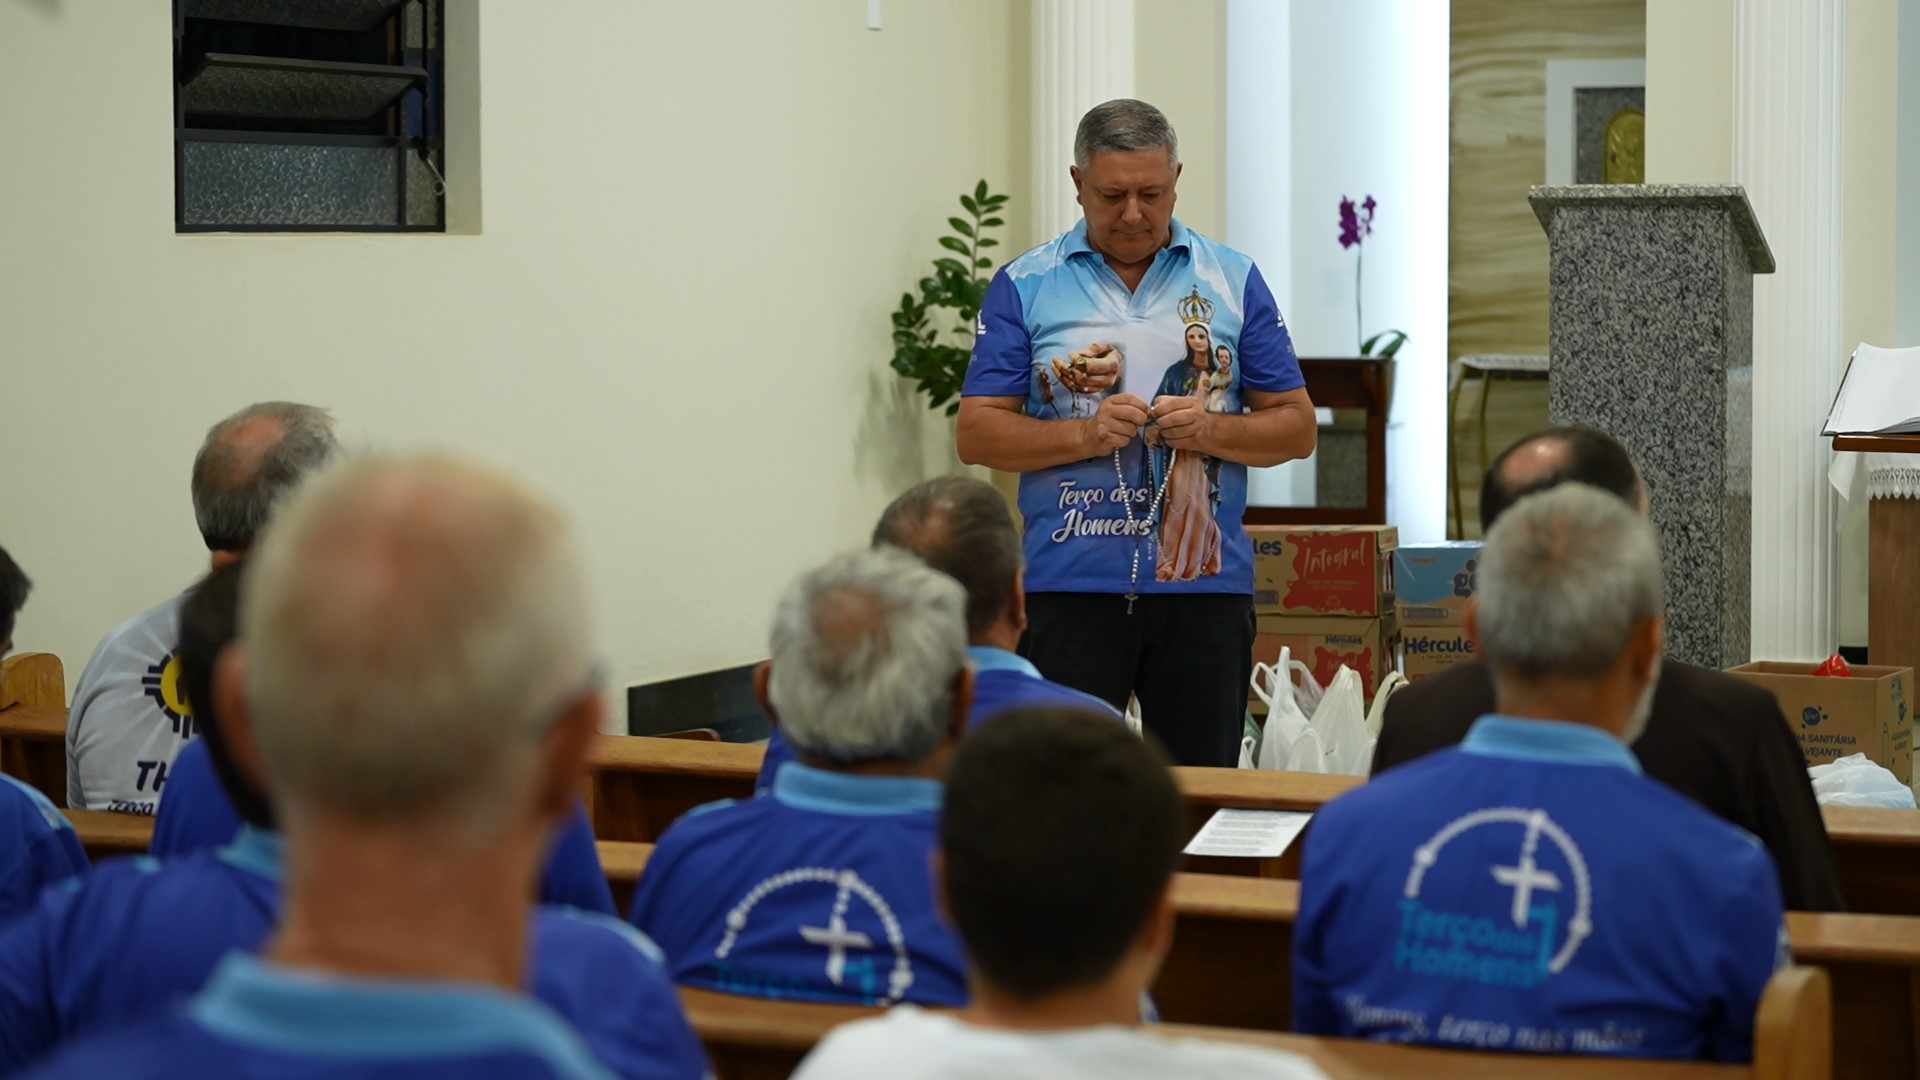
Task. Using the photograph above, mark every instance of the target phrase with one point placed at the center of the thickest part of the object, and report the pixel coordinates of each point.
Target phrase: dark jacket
(1717, 740)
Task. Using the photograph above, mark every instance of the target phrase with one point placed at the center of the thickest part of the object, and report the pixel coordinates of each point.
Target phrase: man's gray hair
(866, 650)
(1565, 577)
(411, 627)
(1123, 125)
(249, 462)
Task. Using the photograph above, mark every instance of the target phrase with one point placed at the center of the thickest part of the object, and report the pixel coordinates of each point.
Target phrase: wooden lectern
(1893, 561)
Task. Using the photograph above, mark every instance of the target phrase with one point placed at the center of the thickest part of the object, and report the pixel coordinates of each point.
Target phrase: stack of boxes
(1326, 593)
(1434, 583)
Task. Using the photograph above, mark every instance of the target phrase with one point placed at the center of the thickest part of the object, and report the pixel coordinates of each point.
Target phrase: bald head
(1557, 455)
(249, 462)
(408, 626)
(961, 527)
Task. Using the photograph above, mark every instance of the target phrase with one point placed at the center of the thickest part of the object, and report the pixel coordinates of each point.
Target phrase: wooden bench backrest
(33, 723)
(757, 1039)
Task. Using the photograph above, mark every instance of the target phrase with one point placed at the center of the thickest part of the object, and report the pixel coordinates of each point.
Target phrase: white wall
(1690, 91)
(697, 218)
(1906, 204)
(1355, 128)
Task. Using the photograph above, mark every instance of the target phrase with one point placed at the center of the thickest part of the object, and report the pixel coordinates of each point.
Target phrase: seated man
(37, 845)
(1530, 890)
(820, 889)
(416, 648)
(962, 528)
(1718, 740)
(129, 717)
(206, 802)
(1058, 842)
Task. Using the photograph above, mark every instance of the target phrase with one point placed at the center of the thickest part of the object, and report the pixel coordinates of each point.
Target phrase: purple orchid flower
(1349, 223)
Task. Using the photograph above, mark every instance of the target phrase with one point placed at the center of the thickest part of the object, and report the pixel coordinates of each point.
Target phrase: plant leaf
(968, 202)
(980, 190)
(991, 222)
(1390, 350)
(952, 244)
(961, 227)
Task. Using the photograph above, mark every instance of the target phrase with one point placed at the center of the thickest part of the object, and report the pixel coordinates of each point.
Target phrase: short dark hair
(1592, 458)
(209, 622)
(236, 486)
(14, 588)
(962, 528)
(1060, 831)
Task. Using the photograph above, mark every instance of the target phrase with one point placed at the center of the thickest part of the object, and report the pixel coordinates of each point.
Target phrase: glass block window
(308, 115)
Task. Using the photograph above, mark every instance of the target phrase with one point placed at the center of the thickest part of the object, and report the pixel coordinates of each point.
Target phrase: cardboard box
(1323, 570)
(1368, 646)
(1870, 713)
(1429, 650)
(1433, 582)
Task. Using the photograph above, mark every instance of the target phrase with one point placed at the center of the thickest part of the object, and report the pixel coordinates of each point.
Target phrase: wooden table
(1893, 560)
(1358, 382)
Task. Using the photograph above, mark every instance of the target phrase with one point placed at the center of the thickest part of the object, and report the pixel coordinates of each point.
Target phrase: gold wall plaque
(1625, 160)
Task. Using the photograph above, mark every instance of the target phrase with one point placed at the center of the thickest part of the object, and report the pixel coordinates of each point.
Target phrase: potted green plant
(933, 331)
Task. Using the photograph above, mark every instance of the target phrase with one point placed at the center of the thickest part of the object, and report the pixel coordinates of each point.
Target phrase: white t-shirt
(129, 716)
(909, 1041)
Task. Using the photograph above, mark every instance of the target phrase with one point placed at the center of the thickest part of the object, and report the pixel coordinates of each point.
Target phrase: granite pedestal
(1651, 326)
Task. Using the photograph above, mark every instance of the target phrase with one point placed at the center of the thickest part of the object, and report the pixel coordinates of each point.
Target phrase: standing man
(1131, 369)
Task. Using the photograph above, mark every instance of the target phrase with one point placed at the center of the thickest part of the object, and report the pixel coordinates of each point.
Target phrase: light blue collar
(257, 851)
(1074, 241)
(807, 788)
(1555, 741)
(314, 1015)
(988, 658)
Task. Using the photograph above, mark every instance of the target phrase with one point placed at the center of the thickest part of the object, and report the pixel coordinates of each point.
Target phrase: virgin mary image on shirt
(1189, 535)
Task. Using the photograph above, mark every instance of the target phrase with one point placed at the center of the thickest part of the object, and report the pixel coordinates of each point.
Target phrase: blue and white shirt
(1529, 890)
(1001, 681)
(136, 938)
(257, 1019)
(1060, 329)
(820, 890)
(37, 847)
(197, 816)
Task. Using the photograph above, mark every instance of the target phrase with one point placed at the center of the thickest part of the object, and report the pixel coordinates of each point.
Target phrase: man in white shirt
(129, 715)
(1059, 834)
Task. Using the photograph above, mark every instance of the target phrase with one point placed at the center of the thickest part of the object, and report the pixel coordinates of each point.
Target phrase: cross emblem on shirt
(837, 938)
(1525, 876)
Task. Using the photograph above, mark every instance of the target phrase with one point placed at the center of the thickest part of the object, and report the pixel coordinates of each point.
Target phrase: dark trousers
(1187, 658)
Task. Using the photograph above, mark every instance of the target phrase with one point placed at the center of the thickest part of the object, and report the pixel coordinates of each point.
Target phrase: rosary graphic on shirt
(1153, 513)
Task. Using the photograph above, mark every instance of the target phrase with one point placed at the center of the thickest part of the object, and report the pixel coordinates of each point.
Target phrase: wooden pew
(640, 785)
(33, 723)
(104, 834)
(755, 1039)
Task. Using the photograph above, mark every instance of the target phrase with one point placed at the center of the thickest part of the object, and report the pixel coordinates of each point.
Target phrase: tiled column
(1651, 326)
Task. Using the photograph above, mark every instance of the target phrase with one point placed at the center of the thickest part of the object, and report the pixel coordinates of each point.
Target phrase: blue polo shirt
(196, 815)
(37, 847)
(1059, 307)
(820, 890)
(137, 937)
(1530, 891)
(257, 1019)
(1001, 681)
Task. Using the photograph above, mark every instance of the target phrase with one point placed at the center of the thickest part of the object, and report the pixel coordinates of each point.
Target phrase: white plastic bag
(1377, 713)
(1306, 754)
(1285, 720)
(1133, 715)
(1246, 751)
(1855, 781)
(1340, 723)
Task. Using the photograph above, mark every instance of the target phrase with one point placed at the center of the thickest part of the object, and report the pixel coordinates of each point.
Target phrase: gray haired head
(961, 527)
(1564, 579)
(866, 653)
(1123, 125)
(249, 462)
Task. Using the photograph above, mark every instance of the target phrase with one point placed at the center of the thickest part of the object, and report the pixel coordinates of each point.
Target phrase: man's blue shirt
(1202, 322)
(819, 890)
(1529, 890)
(37, 847)
(1001, 681)
(196, 815)
(137, 937)
(257, 1019)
